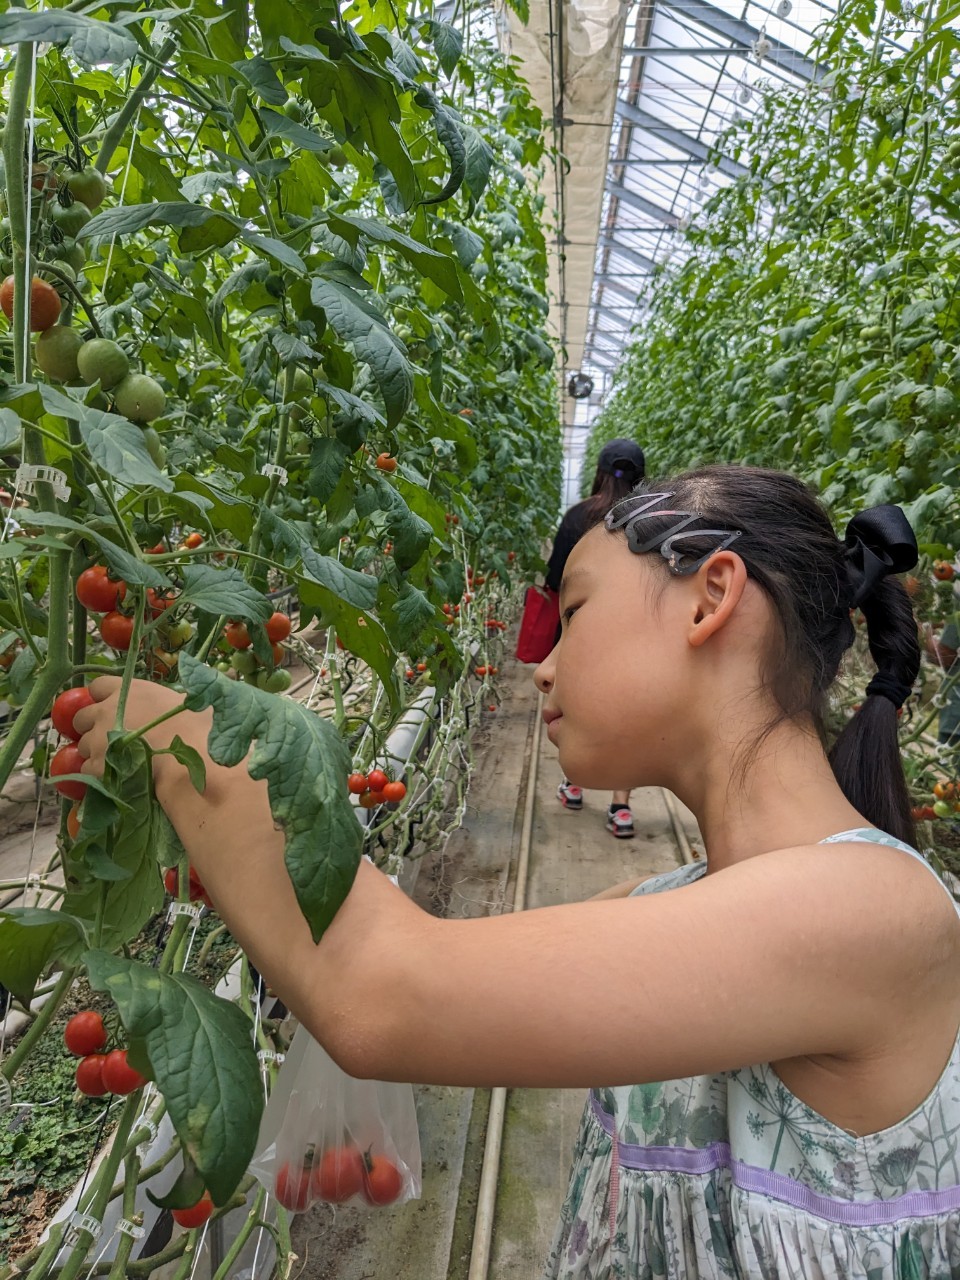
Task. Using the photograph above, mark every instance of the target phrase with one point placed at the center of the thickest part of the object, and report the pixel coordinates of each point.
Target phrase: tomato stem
(114, 135)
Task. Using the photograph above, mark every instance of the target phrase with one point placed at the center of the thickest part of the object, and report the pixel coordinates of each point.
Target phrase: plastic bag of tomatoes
(326, 1137)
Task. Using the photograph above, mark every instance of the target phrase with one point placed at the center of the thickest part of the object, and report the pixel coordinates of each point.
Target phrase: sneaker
(570, 797)
(620, 822)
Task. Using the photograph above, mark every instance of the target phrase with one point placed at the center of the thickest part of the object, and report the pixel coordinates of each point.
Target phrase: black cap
(624, 457)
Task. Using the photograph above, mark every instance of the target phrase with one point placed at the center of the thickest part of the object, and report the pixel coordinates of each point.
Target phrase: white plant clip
(81, 1222)
(6, 1094)
(131, 1229)
(271, 469)
(267, 1056)
(28, 477)
(147, 1142)
(192, 909)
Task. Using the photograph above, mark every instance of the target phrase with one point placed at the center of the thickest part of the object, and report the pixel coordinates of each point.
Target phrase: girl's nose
(544, 675)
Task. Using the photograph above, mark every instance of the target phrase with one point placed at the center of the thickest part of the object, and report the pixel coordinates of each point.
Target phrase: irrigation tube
(487, 1199)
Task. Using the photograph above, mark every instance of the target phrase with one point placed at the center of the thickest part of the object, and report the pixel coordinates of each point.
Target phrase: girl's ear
(719, 586)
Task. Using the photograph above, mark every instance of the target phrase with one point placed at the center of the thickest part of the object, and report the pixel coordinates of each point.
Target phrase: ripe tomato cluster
(101, 594)
(99, 1073)
(341, 1174)
(488, 670)
(946, 802)
(375, 788)
(243, 663)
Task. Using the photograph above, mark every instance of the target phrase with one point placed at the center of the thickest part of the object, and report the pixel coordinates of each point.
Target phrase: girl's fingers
(102, 687)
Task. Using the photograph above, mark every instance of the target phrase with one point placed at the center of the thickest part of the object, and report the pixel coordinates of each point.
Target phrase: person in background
(620, 467)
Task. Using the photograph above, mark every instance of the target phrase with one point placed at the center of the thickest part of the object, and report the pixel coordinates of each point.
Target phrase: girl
(776, 1032)
(620, 466)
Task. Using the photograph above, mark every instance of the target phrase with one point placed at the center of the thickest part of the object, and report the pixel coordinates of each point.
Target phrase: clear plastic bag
(328, 1137)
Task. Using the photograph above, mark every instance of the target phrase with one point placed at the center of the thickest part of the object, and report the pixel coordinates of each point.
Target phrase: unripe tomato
(370, 799)
(97, 591)
(377, 779)
(104, 361)
(244, 662)
(278, 681)
(89, 186)
(139, 397)
(946, 790)
(237, 635)
(90, 1076)
(85, 1033)
(942, 809)
(394, 792)
(196, 1215)
(117, 631)
(386, 463)
(357, 784)
(339, 1175)
(278, 627)
(44, 303)
(68, 760)
(383, 1182)
(193, 540)
(65, 707)
(277, 654)
(118, 1076)
(55, 352)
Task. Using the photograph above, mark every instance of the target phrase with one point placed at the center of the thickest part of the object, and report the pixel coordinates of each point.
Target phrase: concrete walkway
(572, 857)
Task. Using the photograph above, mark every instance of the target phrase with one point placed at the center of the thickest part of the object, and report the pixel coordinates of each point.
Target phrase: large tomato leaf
(433, 264)
(123, 563)
(356, 589)
(199, 1050)
(304, 762)
(31, 939)
(223, 591)
(353, 319)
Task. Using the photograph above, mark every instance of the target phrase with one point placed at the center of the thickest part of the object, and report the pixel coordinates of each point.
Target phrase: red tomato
(65, 707)
(357, 784)
(511, 556)
(370, 799)
(73, 822)
(90, 1076)
(943, 570)
(293, 1188)
(158, 602)
(68, 760)
(193, 540)
(117, 631)
(421, 666)
(481, 671)
(492, 671)
(277, 654)
(394, 792)
(237, 635)
(279, 627)
(946, 790)
(377, 779)
(158, 550)
(97, 591)
(386, 463)
(196, 1215)
(171, 880)
(44, 303)
(410, 673)
(339, 1175)
(383, 1182)
(118, 1076)
(85, 1033)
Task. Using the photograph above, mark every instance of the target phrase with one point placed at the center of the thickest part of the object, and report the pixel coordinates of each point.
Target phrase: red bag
(538, 628)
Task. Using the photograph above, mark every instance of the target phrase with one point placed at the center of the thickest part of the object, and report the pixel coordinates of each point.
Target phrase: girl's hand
(146, 702)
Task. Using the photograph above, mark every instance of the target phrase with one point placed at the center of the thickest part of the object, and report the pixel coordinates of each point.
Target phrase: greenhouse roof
(638, 95)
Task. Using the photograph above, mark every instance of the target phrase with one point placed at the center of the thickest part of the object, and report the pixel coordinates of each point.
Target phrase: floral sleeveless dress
(731, 1175)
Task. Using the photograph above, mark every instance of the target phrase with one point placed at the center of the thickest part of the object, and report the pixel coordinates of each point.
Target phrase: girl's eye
(568, 613)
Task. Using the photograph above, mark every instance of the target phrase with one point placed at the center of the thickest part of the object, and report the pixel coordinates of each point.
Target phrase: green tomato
(155, 448)
(261, 679)
(89, 187)
(70, 218)
(179, 634)
(942, 809)
(73, 254)
(103, 361)
(244, 662)
(336, 158)
(293, 110)
(278, 681)
(140, 397)
(55, 352)
(224, 668)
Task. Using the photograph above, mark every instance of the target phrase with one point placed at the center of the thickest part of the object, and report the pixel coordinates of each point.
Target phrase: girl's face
(608, 681)
(634, 679)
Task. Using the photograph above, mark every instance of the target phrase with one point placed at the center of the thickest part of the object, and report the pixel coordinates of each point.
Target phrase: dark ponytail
(608, 489)
(813, 582)
(866, 755)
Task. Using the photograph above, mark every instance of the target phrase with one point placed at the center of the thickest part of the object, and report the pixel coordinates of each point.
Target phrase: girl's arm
(822, 949)
(622, 890)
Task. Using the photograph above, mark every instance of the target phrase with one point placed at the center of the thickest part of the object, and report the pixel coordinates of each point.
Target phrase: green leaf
(304, 762)
(9, 428)
(93, 40)
(450, 132)
(408, 616)
(328, 457)
(279, 126)
(200, 1054)
(259, 73)
(125, 219)
(436, 266)
(192, 761)
(448, 44)
(224, 510)
(356, 589)
(479, 158)
(118, 448)
(123, 564)
(354, 320)
(31, 939)
(360, 633)
(223, 591)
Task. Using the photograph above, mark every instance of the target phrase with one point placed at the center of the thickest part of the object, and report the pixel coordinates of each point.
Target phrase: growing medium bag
(326, 1136)
(538, 628)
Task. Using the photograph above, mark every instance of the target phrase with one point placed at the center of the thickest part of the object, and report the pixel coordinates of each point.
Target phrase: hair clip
(634, 504)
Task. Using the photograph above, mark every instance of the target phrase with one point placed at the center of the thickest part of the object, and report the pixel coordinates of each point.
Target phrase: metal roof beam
(631, 255)
(620, 192)
(677, 139)
(618, 317)
(612, 283)
(742, 33)
(690, 51)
